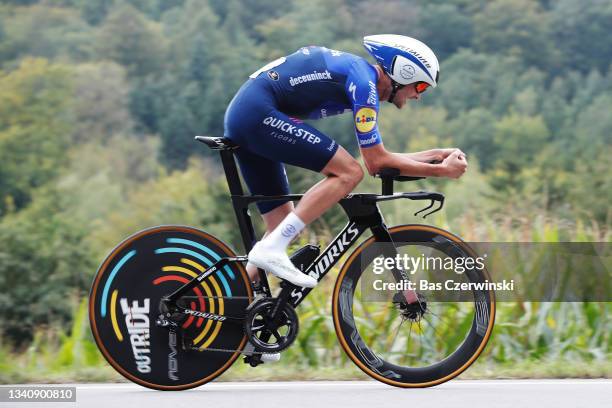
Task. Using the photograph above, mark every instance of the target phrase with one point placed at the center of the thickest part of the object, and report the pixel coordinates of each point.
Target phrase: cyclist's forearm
(377, 157)
(425, 156)
(408, 166)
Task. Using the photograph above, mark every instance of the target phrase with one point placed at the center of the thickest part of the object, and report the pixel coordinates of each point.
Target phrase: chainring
(265, 334)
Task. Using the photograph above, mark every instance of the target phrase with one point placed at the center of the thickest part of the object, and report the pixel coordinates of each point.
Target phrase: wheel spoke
(420, 337)
(439, 318)
(433, 327)
(409, 337)
(396, 333)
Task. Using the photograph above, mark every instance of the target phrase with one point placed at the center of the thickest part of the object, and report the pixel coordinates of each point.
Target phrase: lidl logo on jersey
(314, 76)
(365, 120)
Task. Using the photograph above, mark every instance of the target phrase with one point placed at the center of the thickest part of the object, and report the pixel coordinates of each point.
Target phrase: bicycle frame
(254, 317)
(361, 209)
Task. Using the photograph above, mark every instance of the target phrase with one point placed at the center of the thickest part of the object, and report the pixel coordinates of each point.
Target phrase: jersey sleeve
(361, 90)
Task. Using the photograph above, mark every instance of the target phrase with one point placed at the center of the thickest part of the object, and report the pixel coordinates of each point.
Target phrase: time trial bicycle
(172, 307)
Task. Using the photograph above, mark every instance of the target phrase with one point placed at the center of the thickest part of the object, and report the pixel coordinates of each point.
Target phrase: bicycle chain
(226, 350)
(221, 349)
(192, 348)
(214, 297)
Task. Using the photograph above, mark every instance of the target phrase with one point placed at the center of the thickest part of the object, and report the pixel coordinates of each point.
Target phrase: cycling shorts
(268, 138)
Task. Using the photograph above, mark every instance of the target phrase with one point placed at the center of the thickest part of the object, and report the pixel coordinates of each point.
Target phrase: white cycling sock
(284, 233)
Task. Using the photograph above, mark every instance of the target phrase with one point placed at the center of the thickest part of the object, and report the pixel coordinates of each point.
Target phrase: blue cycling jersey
(316, 82)
(264, 116)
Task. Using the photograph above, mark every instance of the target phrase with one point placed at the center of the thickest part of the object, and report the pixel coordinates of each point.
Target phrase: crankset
(267, 333)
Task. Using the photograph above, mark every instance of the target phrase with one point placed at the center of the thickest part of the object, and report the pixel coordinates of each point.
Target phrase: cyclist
(312, 83)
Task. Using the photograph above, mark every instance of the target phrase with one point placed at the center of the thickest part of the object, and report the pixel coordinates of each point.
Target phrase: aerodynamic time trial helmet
(406, 60)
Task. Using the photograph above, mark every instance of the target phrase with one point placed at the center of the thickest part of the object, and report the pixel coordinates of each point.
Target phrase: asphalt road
(354, 394)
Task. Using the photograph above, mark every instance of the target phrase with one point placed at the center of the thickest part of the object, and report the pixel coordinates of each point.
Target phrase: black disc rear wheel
(124, 306)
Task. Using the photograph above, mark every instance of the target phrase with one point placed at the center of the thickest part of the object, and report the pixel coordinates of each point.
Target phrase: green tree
(582, 31)
(515, 27)
(44, 31)
(180, 197)
(518, 141)
(177, 130)
(127, 37)
(43, 260)
(556, 109)
(307, 23)
(94, 11)
(445, 28)
(383, 17)
(473, 132)
(248, 14)
(35, 125)
(101, 102)
(210, 68)
(593, 133)
(590, 187)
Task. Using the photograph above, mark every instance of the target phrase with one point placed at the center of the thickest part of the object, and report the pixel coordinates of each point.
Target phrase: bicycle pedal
(303, 257)
(253, 360)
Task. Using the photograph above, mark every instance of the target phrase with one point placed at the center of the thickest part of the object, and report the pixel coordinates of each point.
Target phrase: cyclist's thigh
(288, 140)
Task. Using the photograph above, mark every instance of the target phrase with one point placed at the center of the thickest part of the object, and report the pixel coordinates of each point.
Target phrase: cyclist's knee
(345, 168)
(353, 174)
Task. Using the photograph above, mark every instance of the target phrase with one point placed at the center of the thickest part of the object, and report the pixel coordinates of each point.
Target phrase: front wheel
(419, 344)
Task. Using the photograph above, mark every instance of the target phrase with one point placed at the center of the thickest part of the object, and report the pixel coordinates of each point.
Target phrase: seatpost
(241, 210)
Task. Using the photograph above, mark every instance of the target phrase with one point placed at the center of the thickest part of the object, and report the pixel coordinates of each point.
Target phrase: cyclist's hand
(444, 153)
(455, 164)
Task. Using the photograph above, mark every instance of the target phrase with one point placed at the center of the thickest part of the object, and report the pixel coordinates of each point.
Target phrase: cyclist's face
(385, 87)
(407, 92)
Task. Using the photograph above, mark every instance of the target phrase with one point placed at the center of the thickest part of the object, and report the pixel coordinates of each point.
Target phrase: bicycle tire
(135, 276)
(356, 347)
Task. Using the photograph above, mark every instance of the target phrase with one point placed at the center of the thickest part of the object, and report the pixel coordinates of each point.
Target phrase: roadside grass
(56, 357)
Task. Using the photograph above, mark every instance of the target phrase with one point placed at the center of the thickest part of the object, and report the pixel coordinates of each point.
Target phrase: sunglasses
(421, 87)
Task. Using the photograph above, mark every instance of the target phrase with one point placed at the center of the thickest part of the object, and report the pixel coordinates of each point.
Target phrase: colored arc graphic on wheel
(214, 307)
(197, 258)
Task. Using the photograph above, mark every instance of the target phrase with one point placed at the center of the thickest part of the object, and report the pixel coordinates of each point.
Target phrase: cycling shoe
(278, 264)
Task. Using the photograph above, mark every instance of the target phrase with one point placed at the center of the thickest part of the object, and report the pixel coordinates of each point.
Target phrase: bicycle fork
(381, 234)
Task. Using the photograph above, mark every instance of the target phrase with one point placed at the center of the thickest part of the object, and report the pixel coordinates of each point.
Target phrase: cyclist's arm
(377, 157)
(428, 156)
